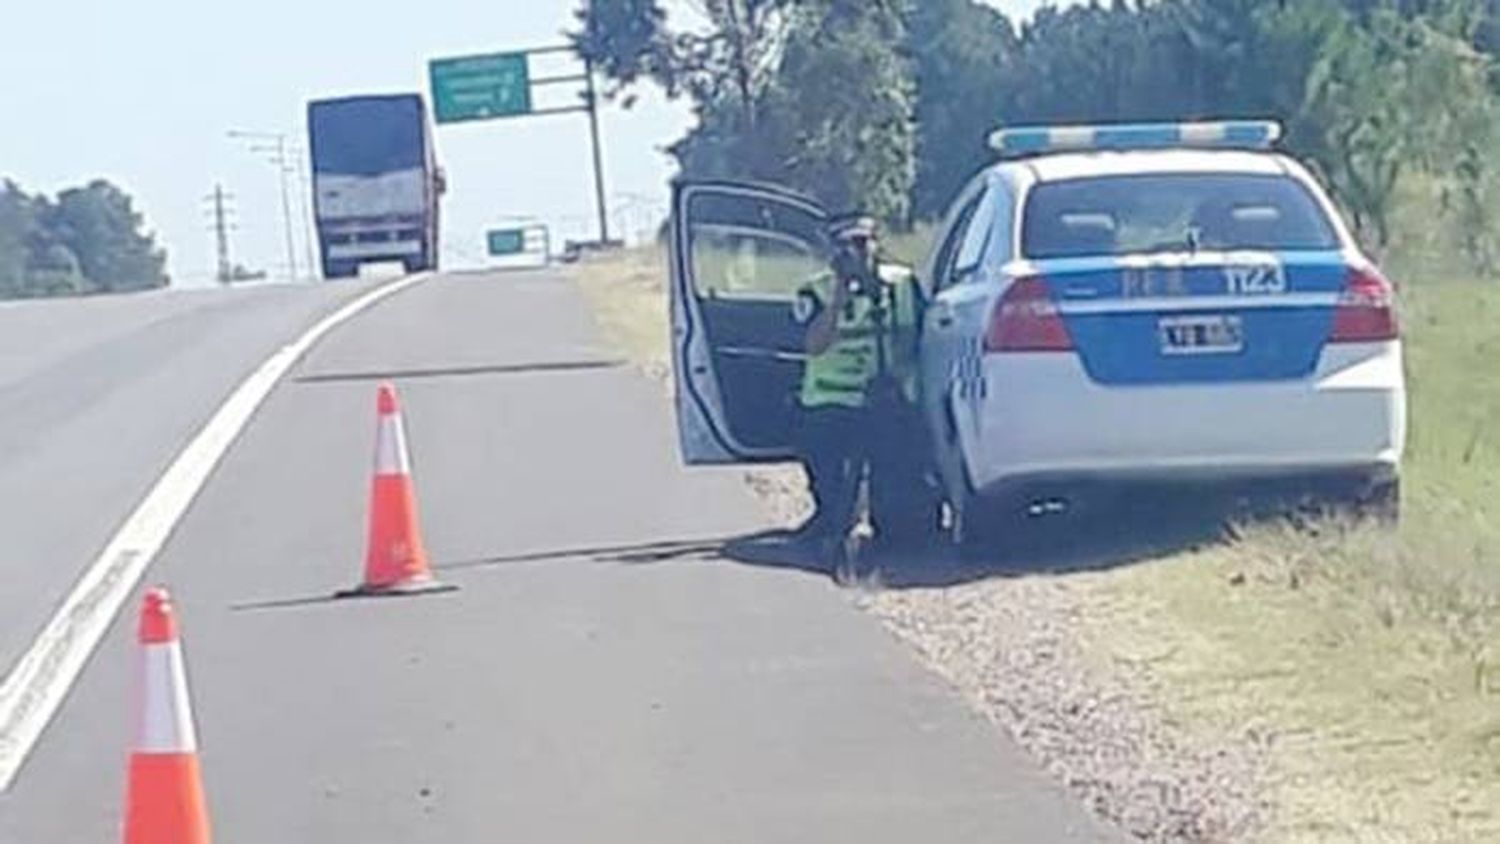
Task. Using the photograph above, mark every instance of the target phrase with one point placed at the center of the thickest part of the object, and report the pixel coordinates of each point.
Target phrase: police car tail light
(1366, 310)
(1027, 320)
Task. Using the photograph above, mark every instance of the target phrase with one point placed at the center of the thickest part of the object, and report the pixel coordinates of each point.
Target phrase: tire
(1381, 504)
(985, 530)
(339, 269)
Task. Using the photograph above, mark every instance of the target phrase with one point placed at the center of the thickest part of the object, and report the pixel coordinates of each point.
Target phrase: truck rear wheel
(340, 269)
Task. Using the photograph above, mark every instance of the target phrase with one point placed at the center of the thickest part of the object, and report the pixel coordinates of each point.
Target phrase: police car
(1107, 307)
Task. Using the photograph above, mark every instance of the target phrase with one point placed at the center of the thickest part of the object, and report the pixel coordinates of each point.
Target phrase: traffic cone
(396, 560)
(164, 801)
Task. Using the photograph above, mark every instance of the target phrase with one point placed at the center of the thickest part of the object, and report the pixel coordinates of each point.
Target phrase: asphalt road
(601, 674)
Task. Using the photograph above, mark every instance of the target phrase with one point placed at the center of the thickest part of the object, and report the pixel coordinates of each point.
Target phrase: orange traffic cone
(396, 560)
(164, 797)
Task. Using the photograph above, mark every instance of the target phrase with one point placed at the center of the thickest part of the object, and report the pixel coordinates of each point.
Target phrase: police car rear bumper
(1043, 418)
(1165, 494)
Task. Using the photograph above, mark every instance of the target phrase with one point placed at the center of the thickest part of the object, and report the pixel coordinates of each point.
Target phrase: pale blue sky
(143, 93)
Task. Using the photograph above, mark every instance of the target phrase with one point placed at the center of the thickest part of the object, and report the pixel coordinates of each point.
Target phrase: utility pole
(286, 206)
(593, 104)
(309, 228)
(277, 154)
(221, 236)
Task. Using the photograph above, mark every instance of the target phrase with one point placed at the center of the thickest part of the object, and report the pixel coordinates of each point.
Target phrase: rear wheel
(985, 529)
(420, 262)
(340, 269)
(1382, 503)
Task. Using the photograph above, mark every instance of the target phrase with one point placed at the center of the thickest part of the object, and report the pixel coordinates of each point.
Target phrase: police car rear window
(1172, 212)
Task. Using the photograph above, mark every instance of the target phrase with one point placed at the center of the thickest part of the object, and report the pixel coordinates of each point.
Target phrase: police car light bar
(1231, 134)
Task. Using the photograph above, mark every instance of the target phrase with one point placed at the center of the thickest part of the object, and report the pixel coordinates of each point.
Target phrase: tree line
(86, 240)
(886, 104)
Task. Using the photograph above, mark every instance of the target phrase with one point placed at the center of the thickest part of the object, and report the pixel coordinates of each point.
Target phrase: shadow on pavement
(1120, 536)
(285, 603)
(462, 371)
(647, 552)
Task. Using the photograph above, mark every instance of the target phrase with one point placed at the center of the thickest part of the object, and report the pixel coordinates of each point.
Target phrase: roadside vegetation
(87, 240)
(886, 105)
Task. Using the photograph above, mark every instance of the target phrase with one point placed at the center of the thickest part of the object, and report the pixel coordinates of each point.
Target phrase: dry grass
(628, 291)
(1362, 664)
(1370, 659)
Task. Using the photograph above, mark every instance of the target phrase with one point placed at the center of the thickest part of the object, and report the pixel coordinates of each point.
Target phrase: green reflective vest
(842, 374)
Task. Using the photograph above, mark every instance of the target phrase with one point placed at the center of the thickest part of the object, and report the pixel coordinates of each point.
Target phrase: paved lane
(590, 681)
(98, 395)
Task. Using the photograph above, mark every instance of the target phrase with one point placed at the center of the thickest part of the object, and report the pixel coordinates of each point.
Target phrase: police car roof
(1088, 164)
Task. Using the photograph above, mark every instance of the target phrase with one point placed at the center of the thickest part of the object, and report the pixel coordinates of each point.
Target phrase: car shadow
(1128, 533)
(1047, 545)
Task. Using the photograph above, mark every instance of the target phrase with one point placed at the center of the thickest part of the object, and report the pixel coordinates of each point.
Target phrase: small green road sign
(480, 87)
(507, 241)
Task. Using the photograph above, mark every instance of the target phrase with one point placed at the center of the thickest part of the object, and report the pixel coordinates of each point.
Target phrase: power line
(309, 227)
(278, 155)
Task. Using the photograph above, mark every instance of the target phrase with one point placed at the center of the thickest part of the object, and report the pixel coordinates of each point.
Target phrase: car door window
(752, 250)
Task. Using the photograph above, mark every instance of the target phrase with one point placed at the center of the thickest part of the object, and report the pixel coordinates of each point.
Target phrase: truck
(375, 181)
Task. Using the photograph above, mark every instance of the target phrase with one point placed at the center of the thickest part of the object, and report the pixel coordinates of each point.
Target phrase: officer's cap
(852, 227)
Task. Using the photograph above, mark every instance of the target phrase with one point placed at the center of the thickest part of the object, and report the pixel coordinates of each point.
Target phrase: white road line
(37, 685)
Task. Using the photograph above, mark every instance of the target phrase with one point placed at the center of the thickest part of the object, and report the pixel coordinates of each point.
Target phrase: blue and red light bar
(1226, 134)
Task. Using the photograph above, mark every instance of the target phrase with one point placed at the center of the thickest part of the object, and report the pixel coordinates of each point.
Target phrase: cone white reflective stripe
(165, 723)
(391, 457)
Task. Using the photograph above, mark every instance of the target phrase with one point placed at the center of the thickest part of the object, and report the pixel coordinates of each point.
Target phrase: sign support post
(500, 85)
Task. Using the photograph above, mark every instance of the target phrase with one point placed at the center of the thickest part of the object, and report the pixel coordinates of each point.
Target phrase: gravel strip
(1010, 647)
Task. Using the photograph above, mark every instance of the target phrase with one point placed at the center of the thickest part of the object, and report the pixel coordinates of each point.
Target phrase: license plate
(1206, 334)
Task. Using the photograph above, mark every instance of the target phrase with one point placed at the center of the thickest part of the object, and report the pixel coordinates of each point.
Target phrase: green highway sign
(480, 87)
(507, 241)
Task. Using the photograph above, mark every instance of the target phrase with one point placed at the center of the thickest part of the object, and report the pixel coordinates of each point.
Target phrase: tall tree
(99, 224)
(16, 222)
(966, 69)
(839, 113)
(813, 93)
(723, 68)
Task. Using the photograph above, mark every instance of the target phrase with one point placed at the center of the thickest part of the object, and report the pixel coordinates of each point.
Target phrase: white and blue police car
(1108, 307)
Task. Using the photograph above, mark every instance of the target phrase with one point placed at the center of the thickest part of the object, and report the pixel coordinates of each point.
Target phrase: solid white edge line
(36, 687)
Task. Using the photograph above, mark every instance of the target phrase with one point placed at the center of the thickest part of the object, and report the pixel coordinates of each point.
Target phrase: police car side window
(948, 254)
(1001, 246)
(977, 237)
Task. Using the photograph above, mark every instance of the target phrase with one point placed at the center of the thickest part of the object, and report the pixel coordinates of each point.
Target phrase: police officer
(858, 391)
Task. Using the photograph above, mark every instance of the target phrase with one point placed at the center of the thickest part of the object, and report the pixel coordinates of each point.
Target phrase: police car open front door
(740, 254)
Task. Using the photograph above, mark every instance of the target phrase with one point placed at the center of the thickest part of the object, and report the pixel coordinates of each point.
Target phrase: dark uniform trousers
(840, 445)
